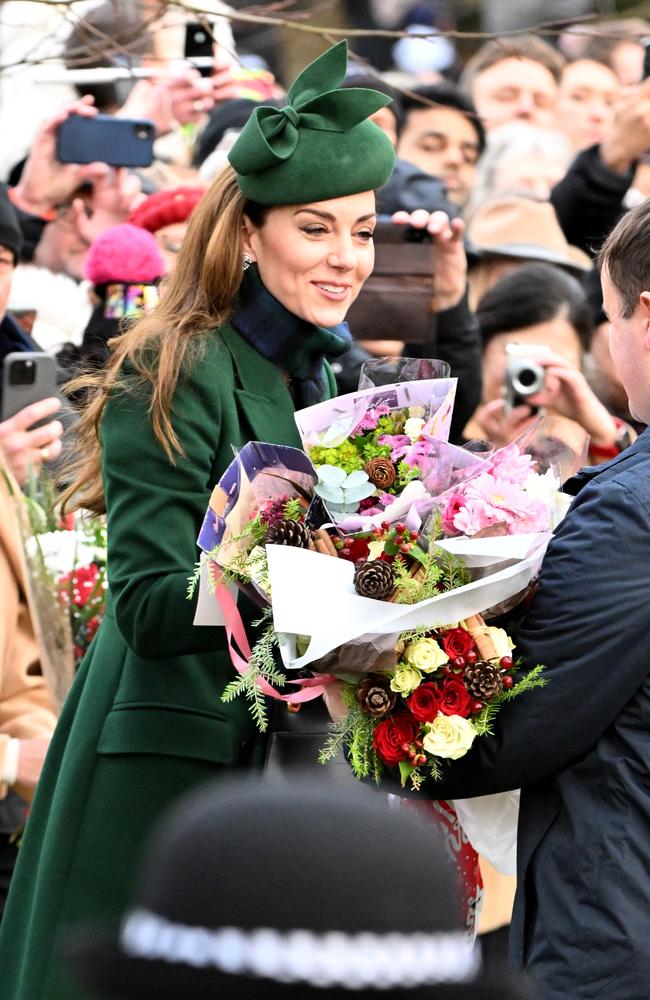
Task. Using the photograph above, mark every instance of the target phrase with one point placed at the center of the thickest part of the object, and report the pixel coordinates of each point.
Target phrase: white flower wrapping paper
(314, 595)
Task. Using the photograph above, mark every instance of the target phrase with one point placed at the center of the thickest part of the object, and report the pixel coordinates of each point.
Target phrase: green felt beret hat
(320, 145)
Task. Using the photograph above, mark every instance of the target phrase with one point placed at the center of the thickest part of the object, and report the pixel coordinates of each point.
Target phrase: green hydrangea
(344, 456)
(405, 473)
(373, 450)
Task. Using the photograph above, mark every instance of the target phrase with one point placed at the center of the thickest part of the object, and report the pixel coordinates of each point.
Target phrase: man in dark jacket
(580, 747)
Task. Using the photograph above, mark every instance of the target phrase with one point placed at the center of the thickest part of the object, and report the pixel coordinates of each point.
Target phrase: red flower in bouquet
(80, 585)
(354, 549)
(425, 702)
(457, 642)
(455, 699)
(392, 737)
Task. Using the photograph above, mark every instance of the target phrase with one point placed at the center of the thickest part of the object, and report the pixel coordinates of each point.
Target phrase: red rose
(392, 735)
(457, 642)
(425, 702)
(456, 699)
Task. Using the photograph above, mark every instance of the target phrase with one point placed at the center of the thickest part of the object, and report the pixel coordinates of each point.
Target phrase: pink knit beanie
(124, 253)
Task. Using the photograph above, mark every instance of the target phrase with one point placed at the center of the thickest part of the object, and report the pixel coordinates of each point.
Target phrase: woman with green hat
(276, 252)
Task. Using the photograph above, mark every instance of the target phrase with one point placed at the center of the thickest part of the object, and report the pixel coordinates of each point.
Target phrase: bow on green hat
(320, 146)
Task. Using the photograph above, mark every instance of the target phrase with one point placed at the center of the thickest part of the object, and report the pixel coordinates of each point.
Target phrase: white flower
(448, 736)
(425, 655)
(405, 679)
(542, 487)
(64, 551)
(375, 549)
(502, 641)
(413, 427)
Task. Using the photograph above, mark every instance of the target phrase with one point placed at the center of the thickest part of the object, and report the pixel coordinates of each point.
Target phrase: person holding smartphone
(22, 445)
(276, 251)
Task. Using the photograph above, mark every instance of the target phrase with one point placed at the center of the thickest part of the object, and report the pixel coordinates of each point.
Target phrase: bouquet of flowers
(395, 610)
(65, 560)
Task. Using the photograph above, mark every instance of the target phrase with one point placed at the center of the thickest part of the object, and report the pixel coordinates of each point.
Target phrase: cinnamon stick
(326, 544)
(480, 634)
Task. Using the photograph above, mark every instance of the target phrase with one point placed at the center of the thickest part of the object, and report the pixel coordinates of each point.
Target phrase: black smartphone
(27, 377)
(199, 47)
(120, 142)
(394, 303)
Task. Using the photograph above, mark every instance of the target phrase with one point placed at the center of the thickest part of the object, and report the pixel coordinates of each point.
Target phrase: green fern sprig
(193, 581)
(294, 509)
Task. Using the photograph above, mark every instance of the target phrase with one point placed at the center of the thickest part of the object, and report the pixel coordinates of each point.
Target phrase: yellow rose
(425, 655)
(502, 641)
(448, 736)
(405, 679)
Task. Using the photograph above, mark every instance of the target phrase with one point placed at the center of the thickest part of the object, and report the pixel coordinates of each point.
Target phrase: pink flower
(535, 518)
(369, 420)
(508, 463)
(475, 516)
(399, 444)
(455, 504)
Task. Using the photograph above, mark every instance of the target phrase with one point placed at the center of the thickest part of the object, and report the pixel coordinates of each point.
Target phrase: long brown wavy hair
(197, 297)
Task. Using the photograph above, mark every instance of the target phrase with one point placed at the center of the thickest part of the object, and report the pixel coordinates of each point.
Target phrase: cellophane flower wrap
(387, 606)
(65, 560)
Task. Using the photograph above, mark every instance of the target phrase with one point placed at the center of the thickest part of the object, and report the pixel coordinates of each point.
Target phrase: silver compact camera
(524, 376)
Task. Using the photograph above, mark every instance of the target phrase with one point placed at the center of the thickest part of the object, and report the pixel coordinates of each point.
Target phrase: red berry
(507, 681)
(376, 532)
(458, 662)
(293, 706)
(448, 669)
(400, 527)
(477, 707)
(345, 551)
(505, 662)
(412, 754)
(385, 525)
(471, 656)
(414, 536)
(405, 548)
(419, 758)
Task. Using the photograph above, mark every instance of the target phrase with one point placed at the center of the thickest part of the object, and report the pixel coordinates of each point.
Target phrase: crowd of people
(192, 305)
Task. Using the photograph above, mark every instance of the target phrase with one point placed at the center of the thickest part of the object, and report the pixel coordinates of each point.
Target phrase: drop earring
(246, 262)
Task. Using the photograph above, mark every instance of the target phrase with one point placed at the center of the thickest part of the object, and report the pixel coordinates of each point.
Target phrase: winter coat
(144, 720)
(580, 747)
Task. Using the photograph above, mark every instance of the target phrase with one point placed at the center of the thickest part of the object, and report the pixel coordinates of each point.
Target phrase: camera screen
(22, 372)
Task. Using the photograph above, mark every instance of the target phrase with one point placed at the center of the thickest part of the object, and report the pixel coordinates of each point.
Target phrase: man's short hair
(447, 96)
(625, 256)
(519, 47)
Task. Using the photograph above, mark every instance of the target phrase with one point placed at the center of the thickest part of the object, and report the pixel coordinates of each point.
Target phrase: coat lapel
(261, 395)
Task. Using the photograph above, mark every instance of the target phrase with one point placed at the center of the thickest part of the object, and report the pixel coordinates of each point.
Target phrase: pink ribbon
(313, 687)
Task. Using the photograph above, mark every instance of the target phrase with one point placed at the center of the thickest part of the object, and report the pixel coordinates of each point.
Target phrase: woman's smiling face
(314, 258)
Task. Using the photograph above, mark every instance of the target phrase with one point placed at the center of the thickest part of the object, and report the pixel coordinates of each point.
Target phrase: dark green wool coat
(144, 720)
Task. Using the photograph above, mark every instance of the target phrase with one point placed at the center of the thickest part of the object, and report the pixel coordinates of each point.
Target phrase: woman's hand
(449, 260)
(25, 447)
(499, 425)
(567, 392)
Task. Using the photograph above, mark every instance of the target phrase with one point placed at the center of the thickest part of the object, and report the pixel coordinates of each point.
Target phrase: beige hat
(521, 227)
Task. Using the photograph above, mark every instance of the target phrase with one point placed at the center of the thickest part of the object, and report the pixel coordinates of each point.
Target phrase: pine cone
(287, 532)
(374, 695)
(483, 680)
(381, 472)
(374, 578)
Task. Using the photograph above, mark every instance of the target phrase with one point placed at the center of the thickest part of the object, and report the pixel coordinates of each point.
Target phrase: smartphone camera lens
(142, 132)
(200, 37)
(22, 373)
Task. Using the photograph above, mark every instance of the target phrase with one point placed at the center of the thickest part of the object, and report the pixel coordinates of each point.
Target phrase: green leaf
(405, 770)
